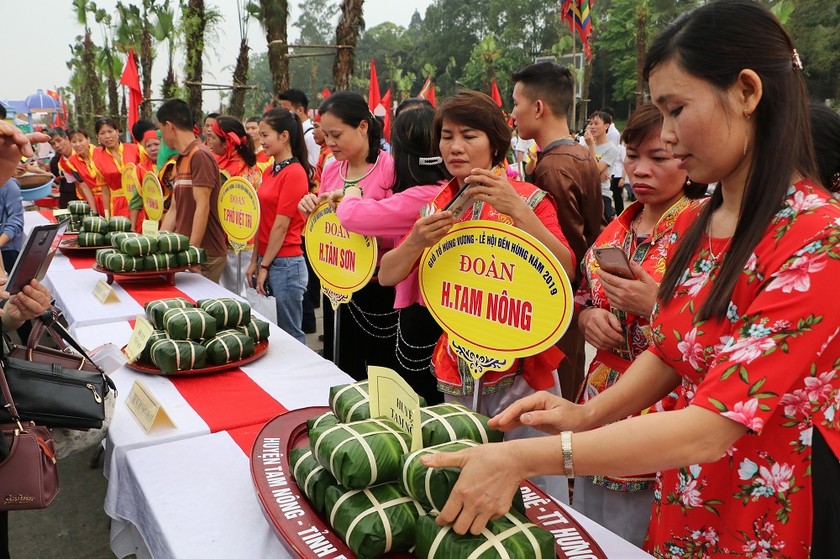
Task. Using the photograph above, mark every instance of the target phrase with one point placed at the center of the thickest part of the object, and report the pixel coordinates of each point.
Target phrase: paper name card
(393, 398)
(59, 214)
(143, 330)
(105, 293)
(150, 228)
(145, 408)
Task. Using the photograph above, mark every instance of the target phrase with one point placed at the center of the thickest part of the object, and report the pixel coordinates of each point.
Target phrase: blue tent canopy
(41, 102)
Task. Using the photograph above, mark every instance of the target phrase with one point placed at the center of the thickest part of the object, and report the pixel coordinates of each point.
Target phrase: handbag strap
(7, 393)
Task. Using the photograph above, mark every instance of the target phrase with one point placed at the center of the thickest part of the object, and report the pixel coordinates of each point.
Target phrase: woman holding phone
(614, 313)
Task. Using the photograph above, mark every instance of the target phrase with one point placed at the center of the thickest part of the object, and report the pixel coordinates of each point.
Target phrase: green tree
(273, 16)
(259, 78)
(194, 21)
(815, 27)
(240, 71)
(350, 25)
(165, 29)
(312, 66)
(90, 101)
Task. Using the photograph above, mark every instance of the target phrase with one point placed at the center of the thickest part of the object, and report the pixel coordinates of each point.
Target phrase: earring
(746, 114)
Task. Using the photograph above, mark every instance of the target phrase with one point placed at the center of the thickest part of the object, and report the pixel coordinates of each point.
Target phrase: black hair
(251, 119)
(413, 103)
(547, 82)
(412, 139)
(603, 115)
(246, 146)
(58, 131)
(296, 97)
(3, 112)
(140, 128)
(212, 115)
(709, 43)
(610, 111)
(352, 109)
(178, 113)
(283, 120)
(478, 111)
(825, 128)
(105, 121)
(73, 131)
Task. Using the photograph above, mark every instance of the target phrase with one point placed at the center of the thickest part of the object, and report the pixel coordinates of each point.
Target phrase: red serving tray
(302, 520)
(70, 247)
(259, 350)
(168, 275)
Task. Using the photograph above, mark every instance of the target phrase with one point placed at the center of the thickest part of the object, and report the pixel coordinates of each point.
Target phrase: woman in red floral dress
(747, 329)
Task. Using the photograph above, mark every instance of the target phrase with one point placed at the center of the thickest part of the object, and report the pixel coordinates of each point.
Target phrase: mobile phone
(459, 202)
(35, 258)
(614, 261)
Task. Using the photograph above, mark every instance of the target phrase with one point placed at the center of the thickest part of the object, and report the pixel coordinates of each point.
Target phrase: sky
(45, 38)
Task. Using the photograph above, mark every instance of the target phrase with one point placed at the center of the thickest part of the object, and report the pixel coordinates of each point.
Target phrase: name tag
(392, 397)
(150, 228)
(105, 293)
(145, 408)
(143, 330)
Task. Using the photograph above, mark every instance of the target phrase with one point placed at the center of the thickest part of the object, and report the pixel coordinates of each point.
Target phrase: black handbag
(56, 388)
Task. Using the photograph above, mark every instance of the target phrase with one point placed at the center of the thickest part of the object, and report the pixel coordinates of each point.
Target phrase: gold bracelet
(566, 447)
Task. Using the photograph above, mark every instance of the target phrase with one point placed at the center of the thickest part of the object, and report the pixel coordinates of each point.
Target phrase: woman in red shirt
(277, 263)
(110, 158)
(83, 169)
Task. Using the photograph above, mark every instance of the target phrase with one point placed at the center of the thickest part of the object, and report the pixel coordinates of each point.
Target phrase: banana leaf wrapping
(227, 346)
(160, 262)
(431, 486)
(451, 422)
(228, 312)
(107, 237)
(172, 242)
(88, 239)
(118, 237)
(95, 224)
(138, 246)
(102, 254)
(375, 520)
(361, 453)
(258, 330)
(508, 537)
(155, 309)
(312, 478)
(146, 355)
(72, 227)
(192, 256)
(178, 355)
(189, 324)
(350, 402)
(321, 421)
(77, 207)
(119, 223)
(119, 262)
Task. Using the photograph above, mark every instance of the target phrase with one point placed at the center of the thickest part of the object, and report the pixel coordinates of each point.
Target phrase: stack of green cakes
(189, 336)
(78, 211)
(361, 476)
(133, 252)
(97, 231)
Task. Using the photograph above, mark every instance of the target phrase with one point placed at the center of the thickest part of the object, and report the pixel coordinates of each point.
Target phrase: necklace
(715, 258)
(344, 166)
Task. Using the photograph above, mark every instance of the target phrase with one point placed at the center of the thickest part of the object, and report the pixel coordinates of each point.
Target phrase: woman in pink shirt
(368, 321)
(419, 177)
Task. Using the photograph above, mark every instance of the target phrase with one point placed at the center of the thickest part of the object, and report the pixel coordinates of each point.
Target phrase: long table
(185, 491)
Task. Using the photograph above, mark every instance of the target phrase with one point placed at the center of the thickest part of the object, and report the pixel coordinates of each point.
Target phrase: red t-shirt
(279, 194)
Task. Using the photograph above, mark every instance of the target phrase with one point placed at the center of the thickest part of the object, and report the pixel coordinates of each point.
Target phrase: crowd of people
(708, 422)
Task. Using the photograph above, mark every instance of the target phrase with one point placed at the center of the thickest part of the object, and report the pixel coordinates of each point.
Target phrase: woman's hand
(430, 229)
(13, 145)
(262, 277)
(543, 411)
(632, 296)
(485, 489)
(333, 198)
(33, 300)
(308, 204)
(496, 190)
(601, 328)
(250, 272)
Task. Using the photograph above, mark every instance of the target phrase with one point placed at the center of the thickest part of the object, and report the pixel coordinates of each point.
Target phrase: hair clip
(835, 181)
(797, 62)
(429, 161)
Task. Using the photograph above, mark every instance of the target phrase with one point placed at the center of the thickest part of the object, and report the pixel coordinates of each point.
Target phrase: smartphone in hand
(614, 261)
(38, 251)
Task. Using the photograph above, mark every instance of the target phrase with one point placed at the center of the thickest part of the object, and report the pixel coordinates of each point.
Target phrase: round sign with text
(239, 211)
(498, 293)
(130, 182)
(343, 261)
(152, 197)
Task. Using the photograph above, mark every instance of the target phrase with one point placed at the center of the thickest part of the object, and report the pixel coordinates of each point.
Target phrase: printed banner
(498, 292)
(343, 261)
(152, 197)
(239, 212)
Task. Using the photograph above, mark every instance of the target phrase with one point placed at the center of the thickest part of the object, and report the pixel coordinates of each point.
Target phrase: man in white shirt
(617, 169)
(296, 101)
(605, 154)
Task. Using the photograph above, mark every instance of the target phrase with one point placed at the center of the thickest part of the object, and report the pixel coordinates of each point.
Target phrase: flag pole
(574, 82)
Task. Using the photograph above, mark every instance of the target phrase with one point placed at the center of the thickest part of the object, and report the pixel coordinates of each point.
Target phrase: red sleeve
(547, 213)
(293, 187)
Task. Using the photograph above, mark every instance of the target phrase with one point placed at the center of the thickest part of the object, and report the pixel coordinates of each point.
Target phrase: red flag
(58, 121)
(427, 92)
(494, 93)
(131, 79)
(373, 91)
(386, 102)
(325, 93)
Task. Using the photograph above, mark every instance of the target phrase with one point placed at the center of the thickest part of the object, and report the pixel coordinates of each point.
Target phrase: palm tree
(194, 22)
(90, 103)
(350, 25)
(240, 72)
(273, 16)
(164, 30)
(107, 64)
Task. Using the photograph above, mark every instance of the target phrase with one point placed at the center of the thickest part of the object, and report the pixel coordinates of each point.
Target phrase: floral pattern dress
(609, 365)
(771, 365)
